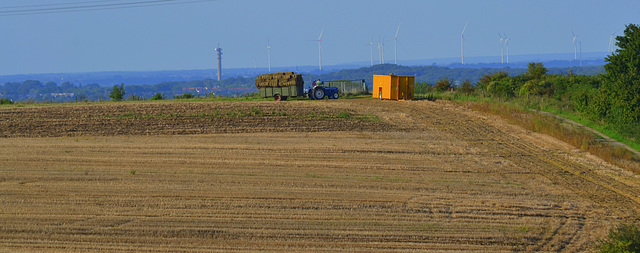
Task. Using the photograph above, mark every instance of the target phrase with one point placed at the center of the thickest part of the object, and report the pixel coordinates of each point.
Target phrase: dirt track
(296, 176)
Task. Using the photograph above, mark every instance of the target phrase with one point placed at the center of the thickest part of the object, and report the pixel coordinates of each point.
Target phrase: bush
(135, 97)
(184, 96)
(623, 238)
(157, 96)
(423, 88)
(466, 87)
(444, 84)
(5, 101)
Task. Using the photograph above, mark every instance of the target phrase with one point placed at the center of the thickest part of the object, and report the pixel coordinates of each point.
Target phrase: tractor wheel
(318, 94)
(310, 94)
(335, 96)
(277, 97)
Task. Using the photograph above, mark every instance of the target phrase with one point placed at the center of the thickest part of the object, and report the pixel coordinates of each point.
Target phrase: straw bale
(279, 79)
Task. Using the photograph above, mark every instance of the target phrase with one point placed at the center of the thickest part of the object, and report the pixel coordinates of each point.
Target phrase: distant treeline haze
(37, 91)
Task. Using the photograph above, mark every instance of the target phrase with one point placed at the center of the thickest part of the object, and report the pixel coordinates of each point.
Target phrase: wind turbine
(379, 52)
(580, 44)
(575, 48)
(371, 46)
(395, 45)
(611, 43)
(506, 44)
(269, 55)
(501, 48)
(320, 49)
(382, 46)
(462, 41)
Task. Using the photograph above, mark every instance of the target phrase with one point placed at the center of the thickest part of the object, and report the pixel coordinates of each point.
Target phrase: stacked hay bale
(279, 79)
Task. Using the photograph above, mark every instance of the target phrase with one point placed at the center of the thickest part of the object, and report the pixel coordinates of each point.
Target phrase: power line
(88, 6)
(56, 4)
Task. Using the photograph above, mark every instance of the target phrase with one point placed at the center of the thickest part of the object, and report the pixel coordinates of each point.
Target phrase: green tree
(466, 87)
(444, 84)
(621, 87)
(117, 94)
(537, 84)
(157, 96)
(536, 70)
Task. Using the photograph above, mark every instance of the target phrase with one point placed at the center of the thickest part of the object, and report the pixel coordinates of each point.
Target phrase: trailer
(281, 93)
(282, 85)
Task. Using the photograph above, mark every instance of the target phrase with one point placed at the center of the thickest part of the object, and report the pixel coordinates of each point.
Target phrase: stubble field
(343, 175)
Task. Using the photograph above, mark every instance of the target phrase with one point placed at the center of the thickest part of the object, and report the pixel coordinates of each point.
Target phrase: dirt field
(342, 175)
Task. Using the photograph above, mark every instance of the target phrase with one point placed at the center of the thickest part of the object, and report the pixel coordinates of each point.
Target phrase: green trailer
(282, 93)
(280, 86)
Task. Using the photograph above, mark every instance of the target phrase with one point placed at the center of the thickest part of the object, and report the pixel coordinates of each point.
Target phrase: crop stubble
(427, 176)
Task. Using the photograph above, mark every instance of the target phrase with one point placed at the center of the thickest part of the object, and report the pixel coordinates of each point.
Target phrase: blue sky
(183, 36)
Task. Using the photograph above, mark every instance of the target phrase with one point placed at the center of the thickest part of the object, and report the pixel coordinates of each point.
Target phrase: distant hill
(110, 78)
(96, 85)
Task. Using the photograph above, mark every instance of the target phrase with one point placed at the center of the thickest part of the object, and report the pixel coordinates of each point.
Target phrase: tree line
(35, 90)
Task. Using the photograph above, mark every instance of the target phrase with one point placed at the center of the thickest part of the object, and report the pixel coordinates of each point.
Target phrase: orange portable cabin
(393, 87)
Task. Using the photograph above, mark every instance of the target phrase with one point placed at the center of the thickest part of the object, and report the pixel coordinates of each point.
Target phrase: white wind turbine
(575, 47)
(382, 46)
(611, 43)
(371, 46)
(580, 45)
(395, 45)
(506, 44)
(269, 54)
(501, 48)
(462, 41)
(379, 52)
(320, 49)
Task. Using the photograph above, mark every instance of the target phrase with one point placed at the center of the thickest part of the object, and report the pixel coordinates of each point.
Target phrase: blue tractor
(319, 92)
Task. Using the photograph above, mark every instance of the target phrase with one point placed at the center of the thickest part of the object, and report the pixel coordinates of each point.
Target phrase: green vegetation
(623, 238)
(619, 98)
(4, 101)
(157, 96)
(117, 94)
(609, 103)
(431, 74)
(444, 85)
(184, 96)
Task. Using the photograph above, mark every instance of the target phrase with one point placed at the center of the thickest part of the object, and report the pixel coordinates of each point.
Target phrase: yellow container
(393, 87)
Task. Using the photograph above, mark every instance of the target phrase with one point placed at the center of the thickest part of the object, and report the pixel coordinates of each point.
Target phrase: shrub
(444, 84)
(157, 96)
(184, 96)
(466, 87)
(5, 101)
(623, 238)
(344, 115)
(135, 97)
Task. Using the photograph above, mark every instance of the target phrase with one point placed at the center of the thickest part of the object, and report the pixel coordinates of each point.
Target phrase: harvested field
(340, 175)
